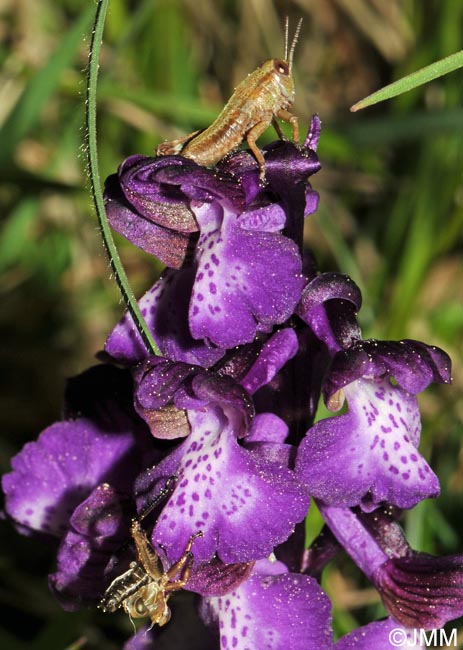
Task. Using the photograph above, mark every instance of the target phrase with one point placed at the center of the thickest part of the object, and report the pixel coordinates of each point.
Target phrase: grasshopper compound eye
(281, 67)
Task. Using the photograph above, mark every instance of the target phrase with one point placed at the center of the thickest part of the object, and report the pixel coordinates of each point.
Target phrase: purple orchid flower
(234, 477)
(227, 279)
(221, 426)
(374, 444)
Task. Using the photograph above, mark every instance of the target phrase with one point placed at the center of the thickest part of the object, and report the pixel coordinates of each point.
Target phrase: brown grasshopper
(265, 94)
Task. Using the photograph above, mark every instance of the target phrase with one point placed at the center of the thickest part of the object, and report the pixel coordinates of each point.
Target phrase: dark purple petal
(328, 305)
(267, 427)
(144, 182)
(53, 475)
(99, 528)
(247, 281)
(187, 180)
(414, 365)
(268, 218)
(312, 200)
(169, 246)
(215, 578)
(287, 169)
(165, 309)
(162, 383)
(293, 394)
(233, 398)
(274, 610)
(322, 550)
(369, 454)
(313, 134)
(421, 590)
(281, 347)
(380, 635)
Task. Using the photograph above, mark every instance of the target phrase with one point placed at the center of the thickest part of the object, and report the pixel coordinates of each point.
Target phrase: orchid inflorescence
(251, 336)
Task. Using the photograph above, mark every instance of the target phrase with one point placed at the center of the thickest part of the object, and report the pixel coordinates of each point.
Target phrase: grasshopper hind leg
(173, 147)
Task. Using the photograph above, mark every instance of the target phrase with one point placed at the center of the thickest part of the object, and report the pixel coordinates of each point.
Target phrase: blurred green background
(390, 216)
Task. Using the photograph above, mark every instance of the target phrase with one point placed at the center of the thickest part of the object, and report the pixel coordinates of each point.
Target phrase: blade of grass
(413, 80)
(92, 152)
(27, 109)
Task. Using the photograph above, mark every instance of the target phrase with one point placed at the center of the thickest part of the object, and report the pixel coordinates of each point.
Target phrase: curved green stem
(92, 156)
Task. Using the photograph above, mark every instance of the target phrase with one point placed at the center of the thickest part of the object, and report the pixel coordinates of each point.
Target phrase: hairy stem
(92, 154)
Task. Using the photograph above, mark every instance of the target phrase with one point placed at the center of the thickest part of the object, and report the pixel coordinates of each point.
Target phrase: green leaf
(16, 233)
(27, 109)
(413, 80)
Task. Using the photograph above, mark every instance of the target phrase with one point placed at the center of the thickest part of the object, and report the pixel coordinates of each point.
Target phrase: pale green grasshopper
(265, 94)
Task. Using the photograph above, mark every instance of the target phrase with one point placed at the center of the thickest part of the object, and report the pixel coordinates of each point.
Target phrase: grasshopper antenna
(293, 44)
(286, 37)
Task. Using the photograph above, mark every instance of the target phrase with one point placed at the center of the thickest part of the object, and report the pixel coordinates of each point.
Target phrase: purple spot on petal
(393, 420)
